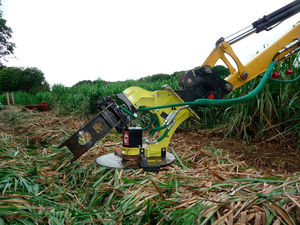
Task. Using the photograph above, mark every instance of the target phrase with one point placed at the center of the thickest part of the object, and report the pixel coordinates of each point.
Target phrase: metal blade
(113, 160)
(116, 161)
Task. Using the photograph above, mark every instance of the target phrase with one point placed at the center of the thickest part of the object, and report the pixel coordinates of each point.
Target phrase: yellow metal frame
(257, 65)
(142, 98)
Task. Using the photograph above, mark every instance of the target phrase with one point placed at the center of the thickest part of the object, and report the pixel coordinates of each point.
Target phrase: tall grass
(272, 112)
(81, 99)
(24, 98)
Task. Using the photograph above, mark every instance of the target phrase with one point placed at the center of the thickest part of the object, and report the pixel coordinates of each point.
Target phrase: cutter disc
(113, 160)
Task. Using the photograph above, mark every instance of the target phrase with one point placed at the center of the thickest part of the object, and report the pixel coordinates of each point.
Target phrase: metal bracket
(110, 117)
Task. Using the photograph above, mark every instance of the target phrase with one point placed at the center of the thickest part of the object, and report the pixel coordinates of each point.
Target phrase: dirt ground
(276, 156)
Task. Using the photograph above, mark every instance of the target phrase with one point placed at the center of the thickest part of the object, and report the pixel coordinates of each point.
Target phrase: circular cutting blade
(113, 160)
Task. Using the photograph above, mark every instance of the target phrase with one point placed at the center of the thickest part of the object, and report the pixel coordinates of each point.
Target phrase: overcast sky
(72, 40)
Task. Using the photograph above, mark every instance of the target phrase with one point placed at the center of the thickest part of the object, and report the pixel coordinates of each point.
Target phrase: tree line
(31, 80)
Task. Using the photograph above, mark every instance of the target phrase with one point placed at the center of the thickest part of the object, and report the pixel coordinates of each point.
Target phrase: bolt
(245, 75)
(228, 87)
(142, 151)
(207, 69)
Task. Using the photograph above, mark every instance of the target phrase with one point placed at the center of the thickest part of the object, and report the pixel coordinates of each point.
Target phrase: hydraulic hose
(285, 81)
(163, 136)
(216, 102)
(128, 112)
(150, 122)
(153, 131)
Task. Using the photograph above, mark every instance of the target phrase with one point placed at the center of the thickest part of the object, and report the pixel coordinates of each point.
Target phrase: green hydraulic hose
(285, 81)
(215, 102)
(150, 122)
(164, 135)
(128, 112)
(153, 131)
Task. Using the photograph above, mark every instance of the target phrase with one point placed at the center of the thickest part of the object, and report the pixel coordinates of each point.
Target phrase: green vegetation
(81, 99)
(39, 186)
(205, 186)
(31, 80)
(7, 47)
(273, 112)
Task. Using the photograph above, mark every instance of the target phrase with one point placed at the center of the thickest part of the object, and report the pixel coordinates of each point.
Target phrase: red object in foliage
(44, 106)
(276, 75)
(211, 96)
(289, 72)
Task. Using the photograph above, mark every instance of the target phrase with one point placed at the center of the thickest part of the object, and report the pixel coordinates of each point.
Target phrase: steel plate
(113, 160)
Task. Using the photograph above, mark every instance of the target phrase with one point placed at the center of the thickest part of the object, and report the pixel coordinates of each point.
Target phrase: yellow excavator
(169, 108)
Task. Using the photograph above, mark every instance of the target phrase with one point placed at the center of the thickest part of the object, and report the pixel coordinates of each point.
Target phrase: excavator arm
(259, 64)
